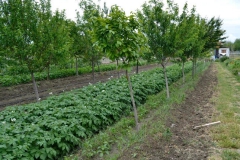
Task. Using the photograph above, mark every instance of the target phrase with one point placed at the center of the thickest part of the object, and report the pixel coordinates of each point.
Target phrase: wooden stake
(208, 124)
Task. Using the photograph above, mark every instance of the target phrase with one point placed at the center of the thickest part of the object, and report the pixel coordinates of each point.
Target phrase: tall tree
(118, 35)
(160, 26)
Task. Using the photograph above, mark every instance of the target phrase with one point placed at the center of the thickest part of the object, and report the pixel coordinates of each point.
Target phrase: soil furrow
(22, 94)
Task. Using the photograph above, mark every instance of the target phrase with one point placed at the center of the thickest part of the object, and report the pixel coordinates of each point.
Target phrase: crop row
(9, 80)
(53, 127)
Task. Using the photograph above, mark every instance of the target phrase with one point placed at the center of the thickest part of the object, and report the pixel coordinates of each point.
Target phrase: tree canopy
(34, 36)
(31, 35)
(119, 36)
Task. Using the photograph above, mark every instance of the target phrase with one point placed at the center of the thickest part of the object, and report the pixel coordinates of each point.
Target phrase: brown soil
(185, 143)
(24, 93)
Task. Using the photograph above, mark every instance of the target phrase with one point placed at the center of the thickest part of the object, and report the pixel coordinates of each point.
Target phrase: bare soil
(24, 93)
(185, 143)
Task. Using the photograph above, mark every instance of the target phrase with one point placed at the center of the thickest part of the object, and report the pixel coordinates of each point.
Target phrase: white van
(224, 52)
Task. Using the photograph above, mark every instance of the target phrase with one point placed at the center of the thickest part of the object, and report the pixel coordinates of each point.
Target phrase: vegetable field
(41, 40)
(53, 127)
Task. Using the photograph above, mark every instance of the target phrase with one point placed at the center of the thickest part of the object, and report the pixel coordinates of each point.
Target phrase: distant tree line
(234, 46)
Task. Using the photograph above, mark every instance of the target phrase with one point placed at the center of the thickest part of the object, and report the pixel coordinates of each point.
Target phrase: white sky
(227, 10)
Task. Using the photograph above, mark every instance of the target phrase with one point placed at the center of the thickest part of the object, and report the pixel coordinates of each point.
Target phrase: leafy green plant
(224, 58)
(104, 149)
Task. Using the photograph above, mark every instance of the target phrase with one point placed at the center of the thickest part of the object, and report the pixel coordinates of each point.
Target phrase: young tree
(25, 37)
(160, 27)
(77, 43)
(118, 35)
(20, 31)
(213, 33)
(198, 47)
(209, 35)
(54, 39)
(186, 36)
(90, 11)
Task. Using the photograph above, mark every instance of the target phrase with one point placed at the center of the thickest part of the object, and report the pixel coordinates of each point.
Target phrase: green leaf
(43, 156)
(37, 155)
(3, 146)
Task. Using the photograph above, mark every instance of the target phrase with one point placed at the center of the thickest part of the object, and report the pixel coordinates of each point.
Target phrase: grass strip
(227, 134)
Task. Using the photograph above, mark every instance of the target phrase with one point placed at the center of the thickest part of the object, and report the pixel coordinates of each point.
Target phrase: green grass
(227, 134)
(111, 143)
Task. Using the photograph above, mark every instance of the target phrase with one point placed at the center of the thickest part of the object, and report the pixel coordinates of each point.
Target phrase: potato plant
(53, 127)
(14, 79)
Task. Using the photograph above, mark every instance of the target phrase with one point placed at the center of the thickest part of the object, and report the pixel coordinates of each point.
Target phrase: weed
(103, 149)
(167, 134)
(134, 155)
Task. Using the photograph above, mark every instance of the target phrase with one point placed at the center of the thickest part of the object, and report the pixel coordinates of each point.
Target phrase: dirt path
(184, 143)
(24, 93)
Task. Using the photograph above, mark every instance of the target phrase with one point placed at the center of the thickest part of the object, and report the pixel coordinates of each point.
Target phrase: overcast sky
(227, 10)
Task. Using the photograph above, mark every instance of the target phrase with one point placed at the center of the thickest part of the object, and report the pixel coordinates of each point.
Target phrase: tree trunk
(133, 101)
(76, 65)
(166, 80)
(137, 67)
(93, 74)
(35, 87)
(98, 66)
(192, 70)
(183, 73)
(195, 66)
(48, 72)
(48, 68)
(118, 70)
